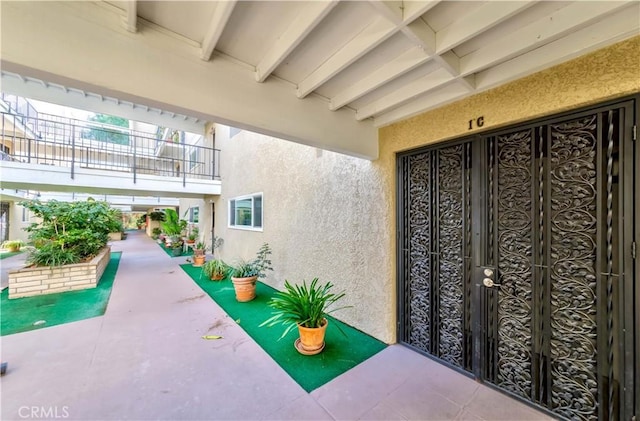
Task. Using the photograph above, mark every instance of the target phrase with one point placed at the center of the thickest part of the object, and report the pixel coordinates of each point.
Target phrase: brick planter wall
(50, 280)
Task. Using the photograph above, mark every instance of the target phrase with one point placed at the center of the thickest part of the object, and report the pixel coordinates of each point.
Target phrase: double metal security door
(515, 260)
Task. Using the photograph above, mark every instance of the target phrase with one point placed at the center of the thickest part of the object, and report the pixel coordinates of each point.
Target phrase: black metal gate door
(515, 258)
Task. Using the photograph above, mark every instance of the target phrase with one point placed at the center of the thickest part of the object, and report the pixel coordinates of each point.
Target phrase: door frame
(630, 286)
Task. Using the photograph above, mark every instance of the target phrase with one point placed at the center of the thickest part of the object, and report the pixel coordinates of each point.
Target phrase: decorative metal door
(515, 260)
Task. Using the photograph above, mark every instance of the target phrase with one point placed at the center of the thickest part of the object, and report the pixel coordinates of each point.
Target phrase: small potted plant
(246, 273)
(12, 245)
(199, 254)
(193, 236)
(306, 307)
(176, 246)
(215, 269)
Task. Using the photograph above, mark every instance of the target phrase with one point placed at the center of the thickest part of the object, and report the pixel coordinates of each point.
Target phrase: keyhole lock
(488, 278)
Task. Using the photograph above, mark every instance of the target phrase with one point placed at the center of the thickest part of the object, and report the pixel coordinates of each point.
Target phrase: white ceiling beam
(615, 27)
(621, 25)
(301, 26)
(566, 20)
(390, 9)
(44, 40)
(445, 95)
(422, 35)
(482, 19)
(218, 21)
(402, 12)
(373, 35)
(402, 64)
(130, 19)
(414, 9)
(405, 94)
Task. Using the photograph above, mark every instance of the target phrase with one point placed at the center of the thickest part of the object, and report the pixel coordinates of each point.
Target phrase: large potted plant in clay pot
(305, 307)
(245, 274)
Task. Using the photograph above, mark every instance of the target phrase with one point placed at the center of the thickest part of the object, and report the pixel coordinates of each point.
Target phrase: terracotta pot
(198, 260)
(14, 249)
(198, 252)
(245, 288)
(311, 340)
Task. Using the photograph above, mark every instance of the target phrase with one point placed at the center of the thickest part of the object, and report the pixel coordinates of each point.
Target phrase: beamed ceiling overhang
(322, 73)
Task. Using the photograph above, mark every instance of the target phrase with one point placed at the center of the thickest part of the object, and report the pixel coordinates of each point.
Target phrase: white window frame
(252, 227)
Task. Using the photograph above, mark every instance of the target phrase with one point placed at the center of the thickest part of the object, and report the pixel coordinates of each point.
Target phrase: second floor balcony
(69, 143)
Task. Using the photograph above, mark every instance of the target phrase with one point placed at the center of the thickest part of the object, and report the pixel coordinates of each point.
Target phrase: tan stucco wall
(606, 74)
(322, 217)
(16, 225)
(204, 217)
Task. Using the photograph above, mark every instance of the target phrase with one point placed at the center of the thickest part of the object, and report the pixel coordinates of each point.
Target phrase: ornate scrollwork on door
(514, 230)
(450, 270)
(573, 276)
(419, 224)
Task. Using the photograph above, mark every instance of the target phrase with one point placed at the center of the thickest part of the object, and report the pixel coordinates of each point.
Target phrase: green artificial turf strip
(19, 314)
(6, 254)
(340, 354)
(169, 251)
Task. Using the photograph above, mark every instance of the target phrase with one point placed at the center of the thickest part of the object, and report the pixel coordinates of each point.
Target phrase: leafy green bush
(70, 232)
(51, 254)
(171, 224)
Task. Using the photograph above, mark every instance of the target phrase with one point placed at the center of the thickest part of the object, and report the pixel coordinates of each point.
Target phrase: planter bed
(39, 280)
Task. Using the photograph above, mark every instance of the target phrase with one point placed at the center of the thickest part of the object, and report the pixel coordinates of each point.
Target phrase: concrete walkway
(145, 359)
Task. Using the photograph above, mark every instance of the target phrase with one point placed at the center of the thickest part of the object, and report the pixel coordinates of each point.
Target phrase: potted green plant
(199, 250)
(155, 233)
(306, 307)
(216, 270)
(245, 274)
(176, 246)
(13, 245)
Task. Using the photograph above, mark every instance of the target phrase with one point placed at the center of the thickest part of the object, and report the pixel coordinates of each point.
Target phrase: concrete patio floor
(145, 359)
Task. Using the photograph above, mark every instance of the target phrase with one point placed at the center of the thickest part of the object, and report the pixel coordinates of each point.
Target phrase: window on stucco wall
(245, 212)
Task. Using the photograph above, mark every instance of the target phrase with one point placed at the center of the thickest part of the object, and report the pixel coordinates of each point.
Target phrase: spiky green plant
(306, 305)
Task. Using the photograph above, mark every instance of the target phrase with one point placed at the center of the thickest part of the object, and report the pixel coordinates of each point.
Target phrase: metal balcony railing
(63, 142)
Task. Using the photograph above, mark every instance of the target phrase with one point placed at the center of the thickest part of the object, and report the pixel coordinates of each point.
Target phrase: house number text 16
(479, 122)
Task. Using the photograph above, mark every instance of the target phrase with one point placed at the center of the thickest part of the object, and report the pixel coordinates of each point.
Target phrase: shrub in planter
(79, 229)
